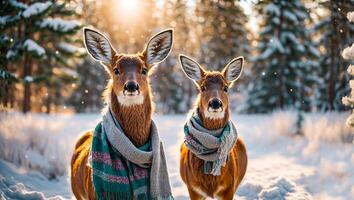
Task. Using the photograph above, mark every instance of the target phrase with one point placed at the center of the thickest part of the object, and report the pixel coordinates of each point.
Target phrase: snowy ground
(280, 166)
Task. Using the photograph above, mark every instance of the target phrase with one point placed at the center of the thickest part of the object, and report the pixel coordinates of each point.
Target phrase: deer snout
(131, 87)
(215, 104)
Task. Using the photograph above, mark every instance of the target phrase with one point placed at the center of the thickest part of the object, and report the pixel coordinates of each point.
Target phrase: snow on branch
(36, 8)
(18, 4)
(32, 46)
(350, 16)
(348, 53)
(60, 25)
(272, 9)
(69, 48)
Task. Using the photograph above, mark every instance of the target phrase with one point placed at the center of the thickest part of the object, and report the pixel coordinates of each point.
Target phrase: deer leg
(193, 195)
(227, 194)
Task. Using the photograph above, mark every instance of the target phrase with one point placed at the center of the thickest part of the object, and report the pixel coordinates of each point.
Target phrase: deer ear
(191, 68)
(158, 47)
(98, 46)
(233, 69)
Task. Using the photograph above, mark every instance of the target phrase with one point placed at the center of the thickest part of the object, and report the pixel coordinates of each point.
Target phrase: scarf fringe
(126, 196)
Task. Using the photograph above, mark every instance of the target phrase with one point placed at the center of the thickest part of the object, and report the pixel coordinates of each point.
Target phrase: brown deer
(212, 107)
(129, 94)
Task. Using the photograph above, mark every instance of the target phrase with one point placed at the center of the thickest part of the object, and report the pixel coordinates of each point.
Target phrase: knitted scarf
(122, 171)
(212, 146)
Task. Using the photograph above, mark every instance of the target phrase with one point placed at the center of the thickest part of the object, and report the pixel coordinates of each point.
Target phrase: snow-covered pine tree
(40, 43)
(89, 87)
(173, 91)
(284, 67)
(222, 32)
(348, 53)
(335, 33)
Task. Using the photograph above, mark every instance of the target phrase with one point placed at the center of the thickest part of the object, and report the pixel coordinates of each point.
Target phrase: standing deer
(213, 159)
(129, 97)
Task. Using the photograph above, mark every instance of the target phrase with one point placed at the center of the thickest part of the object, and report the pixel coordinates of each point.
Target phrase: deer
(213, 113)
(128, 92)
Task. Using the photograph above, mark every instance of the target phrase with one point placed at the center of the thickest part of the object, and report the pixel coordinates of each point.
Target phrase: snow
(272, 9)
(290, 16)
(28, 79)
(32, 46)
(281, 165)
(348, 53)
(268, 52)
(35, 9)
(350, 16)
(3, 19)
(69, 48)
(18, 4)
(58, 24)
(10, 54)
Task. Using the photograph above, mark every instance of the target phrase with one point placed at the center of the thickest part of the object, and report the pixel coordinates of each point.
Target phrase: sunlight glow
(128, 10)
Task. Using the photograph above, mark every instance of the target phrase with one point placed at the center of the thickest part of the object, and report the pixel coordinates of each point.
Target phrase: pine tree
(172, 89)
(40, 34)
(286, 61)
(222, 32)
(87, 95)
(336, 32)
(348, 54)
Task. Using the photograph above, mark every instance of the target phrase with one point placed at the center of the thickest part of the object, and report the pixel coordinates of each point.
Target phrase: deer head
(129, 73)
(213, 101)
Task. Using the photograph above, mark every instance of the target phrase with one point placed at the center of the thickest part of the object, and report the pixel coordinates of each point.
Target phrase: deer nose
(131, 86)
(215, 103)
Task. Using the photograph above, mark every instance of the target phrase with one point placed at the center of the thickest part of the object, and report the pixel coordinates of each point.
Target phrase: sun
(129, 5)
(128, 10)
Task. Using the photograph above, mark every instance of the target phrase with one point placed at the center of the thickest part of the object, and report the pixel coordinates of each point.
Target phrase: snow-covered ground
(281, 166)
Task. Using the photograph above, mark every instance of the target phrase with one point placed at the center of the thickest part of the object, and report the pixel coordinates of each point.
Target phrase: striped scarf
(212, 146)
(122, 171)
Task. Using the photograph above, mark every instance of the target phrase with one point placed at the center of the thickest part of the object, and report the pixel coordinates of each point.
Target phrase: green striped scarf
(122, 171)
(114, 177)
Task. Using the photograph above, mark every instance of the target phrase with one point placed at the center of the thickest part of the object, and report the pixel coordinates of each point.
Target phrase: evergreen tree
(335, 33)
(40, 35)
(285, 65)
(348, 53)
(222, 32)
(170, 83)
(92, 80)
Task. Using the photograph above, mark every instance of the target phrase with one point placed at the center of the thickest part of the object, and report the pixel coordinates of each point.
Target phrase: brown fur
(135, 121)
(191, 167)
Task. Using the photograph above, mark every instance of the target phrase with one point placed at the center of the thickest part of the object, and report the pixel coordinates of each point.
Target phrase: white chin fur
(219, 114)
(126, 100)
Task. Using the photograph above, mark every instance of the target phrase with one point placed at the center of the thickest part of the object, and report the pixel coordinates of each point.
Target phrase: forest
(293, 104)
(295, 47)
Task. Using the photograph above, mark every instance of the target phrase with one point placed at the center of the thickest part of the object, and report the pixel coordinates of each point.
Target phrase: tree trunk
(48, 103)
(27, 71)
(333, 63)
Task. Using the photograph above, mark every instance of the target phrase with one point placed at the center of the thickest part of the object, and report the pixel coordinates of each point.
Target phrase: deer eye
(116, 71)
(226, 88)
(145, 71)
(202, 88)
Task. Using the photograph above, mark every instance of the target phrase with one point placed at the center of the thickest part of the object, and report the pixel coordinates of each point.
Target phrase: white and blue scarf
(212, 146)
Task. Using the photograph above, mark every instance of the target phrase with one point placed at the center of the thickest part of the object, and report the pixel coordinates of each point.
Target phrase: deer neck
(135, 120)
(213, 124)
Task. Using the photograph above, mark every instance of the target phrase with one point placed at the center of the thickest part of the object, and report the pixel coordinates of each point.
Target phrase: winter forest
(293, 104)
